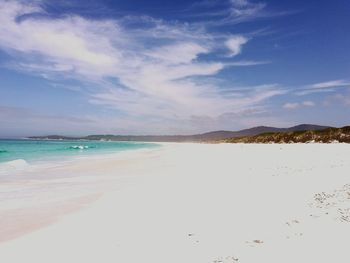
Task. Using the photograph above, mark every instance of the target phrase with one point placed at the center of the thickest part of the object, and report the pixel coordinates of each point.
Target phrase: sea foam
(14, 165)
(79, 147)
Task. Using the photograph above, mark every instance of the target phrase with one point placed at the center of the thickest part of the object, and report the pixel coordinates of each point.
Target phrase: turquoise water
(38, 150)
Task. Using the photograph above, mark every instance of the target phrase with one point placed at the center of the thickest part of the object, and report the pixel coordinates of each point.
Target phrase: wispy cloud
(245, 63)
(330, 84)
(327, 86)
(147, 69)
(243, 10)
(230, 12)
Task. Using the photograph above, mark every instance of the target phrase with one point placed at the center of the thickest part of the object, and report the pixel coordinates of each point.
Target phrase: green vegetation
(321, 136)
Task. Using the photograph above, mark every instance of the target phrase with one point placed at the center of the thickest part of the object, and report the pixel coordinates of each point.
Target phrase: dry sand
(188, 203)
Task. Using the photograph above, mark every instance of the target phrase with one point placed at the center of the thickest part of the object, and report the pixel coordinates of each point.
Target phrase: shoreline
(88, 170)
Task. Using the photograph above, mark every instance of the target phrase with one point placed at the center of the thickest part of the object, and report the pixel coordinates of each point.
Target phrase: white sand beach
(189, 203)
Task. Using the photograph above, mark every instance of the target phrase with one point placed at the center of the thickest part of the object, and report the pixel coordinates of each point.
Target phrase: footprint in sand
(255, 242)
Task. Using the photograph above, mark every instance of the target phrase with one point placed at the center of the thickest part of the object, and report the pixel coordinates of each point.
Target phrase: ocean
(32, 151)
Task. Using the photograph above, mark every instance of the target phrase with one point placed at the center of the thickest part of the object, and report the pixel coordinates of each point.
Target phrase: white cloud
(291, 105)
(71, 43)
(235, 43)
(296, 105)
(308, 103)
(178, 53)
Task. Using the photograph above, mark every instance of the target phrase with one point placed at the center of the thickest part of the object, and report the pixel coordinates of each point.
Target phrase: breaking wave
(80, 147)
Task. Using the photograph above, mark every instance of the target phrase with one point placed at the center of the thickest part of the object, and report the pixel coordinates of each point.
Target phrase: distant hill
(209, 136)
(327, 135)
(217, 135)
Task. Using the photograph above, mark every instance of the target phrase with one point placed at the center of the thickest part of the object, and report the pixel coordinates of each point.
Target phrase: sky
(74, 67)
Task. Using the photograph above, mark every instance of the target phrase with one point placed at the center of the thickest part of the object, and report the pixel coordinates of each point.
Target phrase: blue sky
(171, 67)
